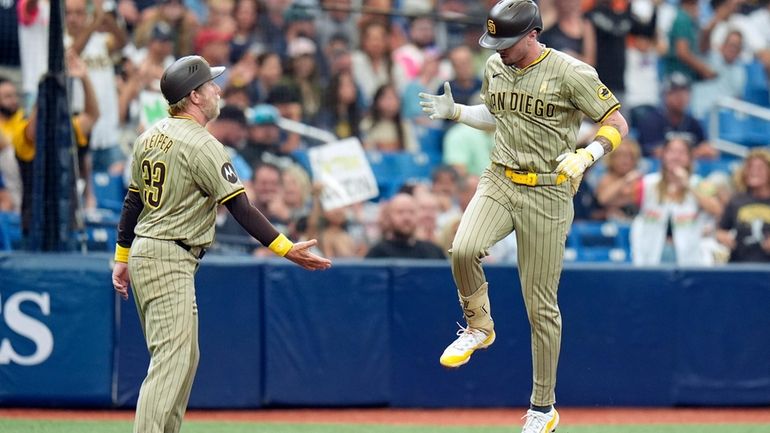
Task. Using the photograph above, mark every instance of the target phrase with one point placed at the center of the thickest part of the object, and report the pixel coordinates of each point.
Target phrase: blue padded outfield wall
(370, 334)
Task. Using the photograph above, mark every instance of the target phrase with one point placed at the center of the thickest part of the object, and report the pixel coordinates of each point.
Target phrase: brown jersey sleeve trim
(252, 220)
(132, 207)
(607, 114)
(228, 197)
(133, 189)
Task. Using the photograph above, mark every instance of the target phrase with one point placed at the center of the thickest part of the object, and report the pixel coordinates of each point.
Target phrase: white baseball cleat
(539, 422)
(469, 339)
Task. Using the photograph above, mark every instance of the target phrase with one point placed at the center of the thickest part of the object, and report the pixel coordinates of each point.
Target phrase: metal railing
(742, 108)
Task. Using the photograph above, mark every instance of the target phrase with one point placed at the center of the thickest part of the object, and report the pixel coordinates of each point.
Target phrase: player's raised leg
(486, 220)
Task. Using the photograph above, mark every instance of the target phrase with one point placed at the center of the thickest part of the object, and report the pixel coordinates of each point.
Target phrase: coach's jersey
(539, 108)
(181, 173)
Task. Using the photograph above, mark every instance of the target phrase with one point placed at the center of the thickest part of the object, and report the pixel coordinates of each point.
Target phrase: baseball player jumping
(180, 174)
(534, 100)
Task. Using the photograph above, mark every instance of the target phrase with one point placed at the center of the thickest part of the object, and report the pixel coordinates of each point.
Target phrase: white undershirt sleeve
(477, 116)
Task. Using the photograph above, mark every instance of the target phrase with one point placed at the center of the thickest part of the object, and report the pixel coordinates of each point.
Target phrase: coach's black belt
(198, 252)
(533, 179)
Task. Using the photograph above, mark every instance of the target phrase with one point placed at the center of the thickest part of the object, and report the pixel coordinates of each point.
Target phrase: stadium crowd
(355, 67)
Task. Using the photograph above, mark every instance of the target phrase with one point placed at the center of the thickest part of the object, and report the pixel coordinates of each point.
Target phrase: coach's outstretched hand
(300, 254)
(440, 106)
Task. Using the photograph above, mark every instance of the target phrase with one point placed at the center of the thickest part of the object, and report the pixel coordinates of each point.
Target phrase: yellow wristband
(281, 245)
(121, 253)
(610, 133)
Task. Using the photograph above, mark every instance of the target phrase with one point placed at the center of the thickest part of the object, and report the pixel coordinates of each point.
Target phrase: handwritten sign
(345, 173)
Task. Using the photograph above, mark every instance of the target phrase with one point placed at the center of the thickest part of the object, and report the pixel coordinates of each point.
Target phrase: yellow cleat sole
(458, 361)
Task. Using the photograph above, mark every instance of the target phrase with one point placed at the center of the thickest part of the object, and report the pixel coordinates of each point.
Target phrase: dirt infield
(575, 416)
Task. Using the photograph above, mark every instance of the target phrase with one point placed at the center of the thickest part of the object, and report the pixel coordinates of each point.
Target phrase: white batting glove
(573, 164)
(440, 106)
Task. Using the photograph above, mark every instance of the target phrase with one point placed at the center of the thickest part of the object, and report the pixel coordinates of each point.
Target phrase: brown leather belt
(198, 252)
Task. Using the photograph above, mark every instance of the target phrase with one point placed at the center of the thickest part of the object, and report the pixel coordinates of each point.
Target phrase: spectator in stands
(330, 227)
(618, 191)
(304, 76)
(339, 58)
(372, 66)
(268, 188)
(673, 221)
(12, 123)
(467, 149)
(214, 46)
(178, 16)
(673, 116)
(220, 17)
(6, 202)
(24, 134)
(730, 80)
(287, 100)
(427, 215)
(758, 33)
(641, 73)
(237, 96)
(33, 17)
(246, 35)
(383, 129)
(336, 18)
(231, 130)
(293, 203)
(10, 64)
(140, 102)
(299, 22)
(684, 50)
(264, 138)
(745, 224)
(466, 83)
(426, 81)
(401, 217)
(342, 112)
(573, 33)
(466, 187)
(612, 25)
(96, 40)
(408, 59)
(445, 183)
(269, 75)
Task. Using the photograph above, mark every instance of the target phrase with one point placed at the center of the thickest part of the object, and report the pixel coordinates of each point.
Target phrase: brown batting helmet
(186, 75)
(508, 22)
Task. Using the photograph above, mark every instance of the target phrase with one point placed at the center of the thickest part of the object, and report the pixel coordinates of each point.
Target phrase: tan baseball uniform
(538, 110)
(181, 174)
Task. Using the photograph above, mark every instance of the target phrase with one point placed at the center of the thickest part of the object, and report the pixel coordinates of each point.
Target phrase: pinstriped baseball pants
(162, 280)
(541, 217)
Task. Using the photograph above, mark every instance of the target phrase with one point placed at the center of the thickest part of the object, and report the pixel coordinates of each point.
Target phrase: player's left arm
(595, 100)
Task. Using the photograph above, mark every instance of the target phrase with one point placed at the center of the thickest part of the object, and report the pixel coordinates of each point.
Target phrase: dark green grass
(48, 426)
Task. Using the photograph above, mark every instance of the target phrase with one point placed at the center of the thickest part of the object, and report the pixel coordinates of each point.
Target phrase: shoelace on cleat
(468, 338)
(536, 420)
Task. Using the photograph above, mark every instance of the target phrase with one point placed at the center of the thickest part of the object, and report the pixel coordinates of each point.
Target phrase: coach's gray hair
(179, 106)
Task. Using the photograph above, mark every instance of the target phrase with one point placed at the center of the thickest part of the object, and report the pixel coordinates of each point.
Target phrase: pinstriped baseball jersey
(539, 108)
(181, 173)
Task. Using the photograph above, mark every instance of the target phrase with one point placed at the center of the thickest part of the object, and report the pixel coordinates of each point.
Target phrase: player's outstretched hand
(120, 279)
(573, 164)
(439, 106)
(300, 254)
